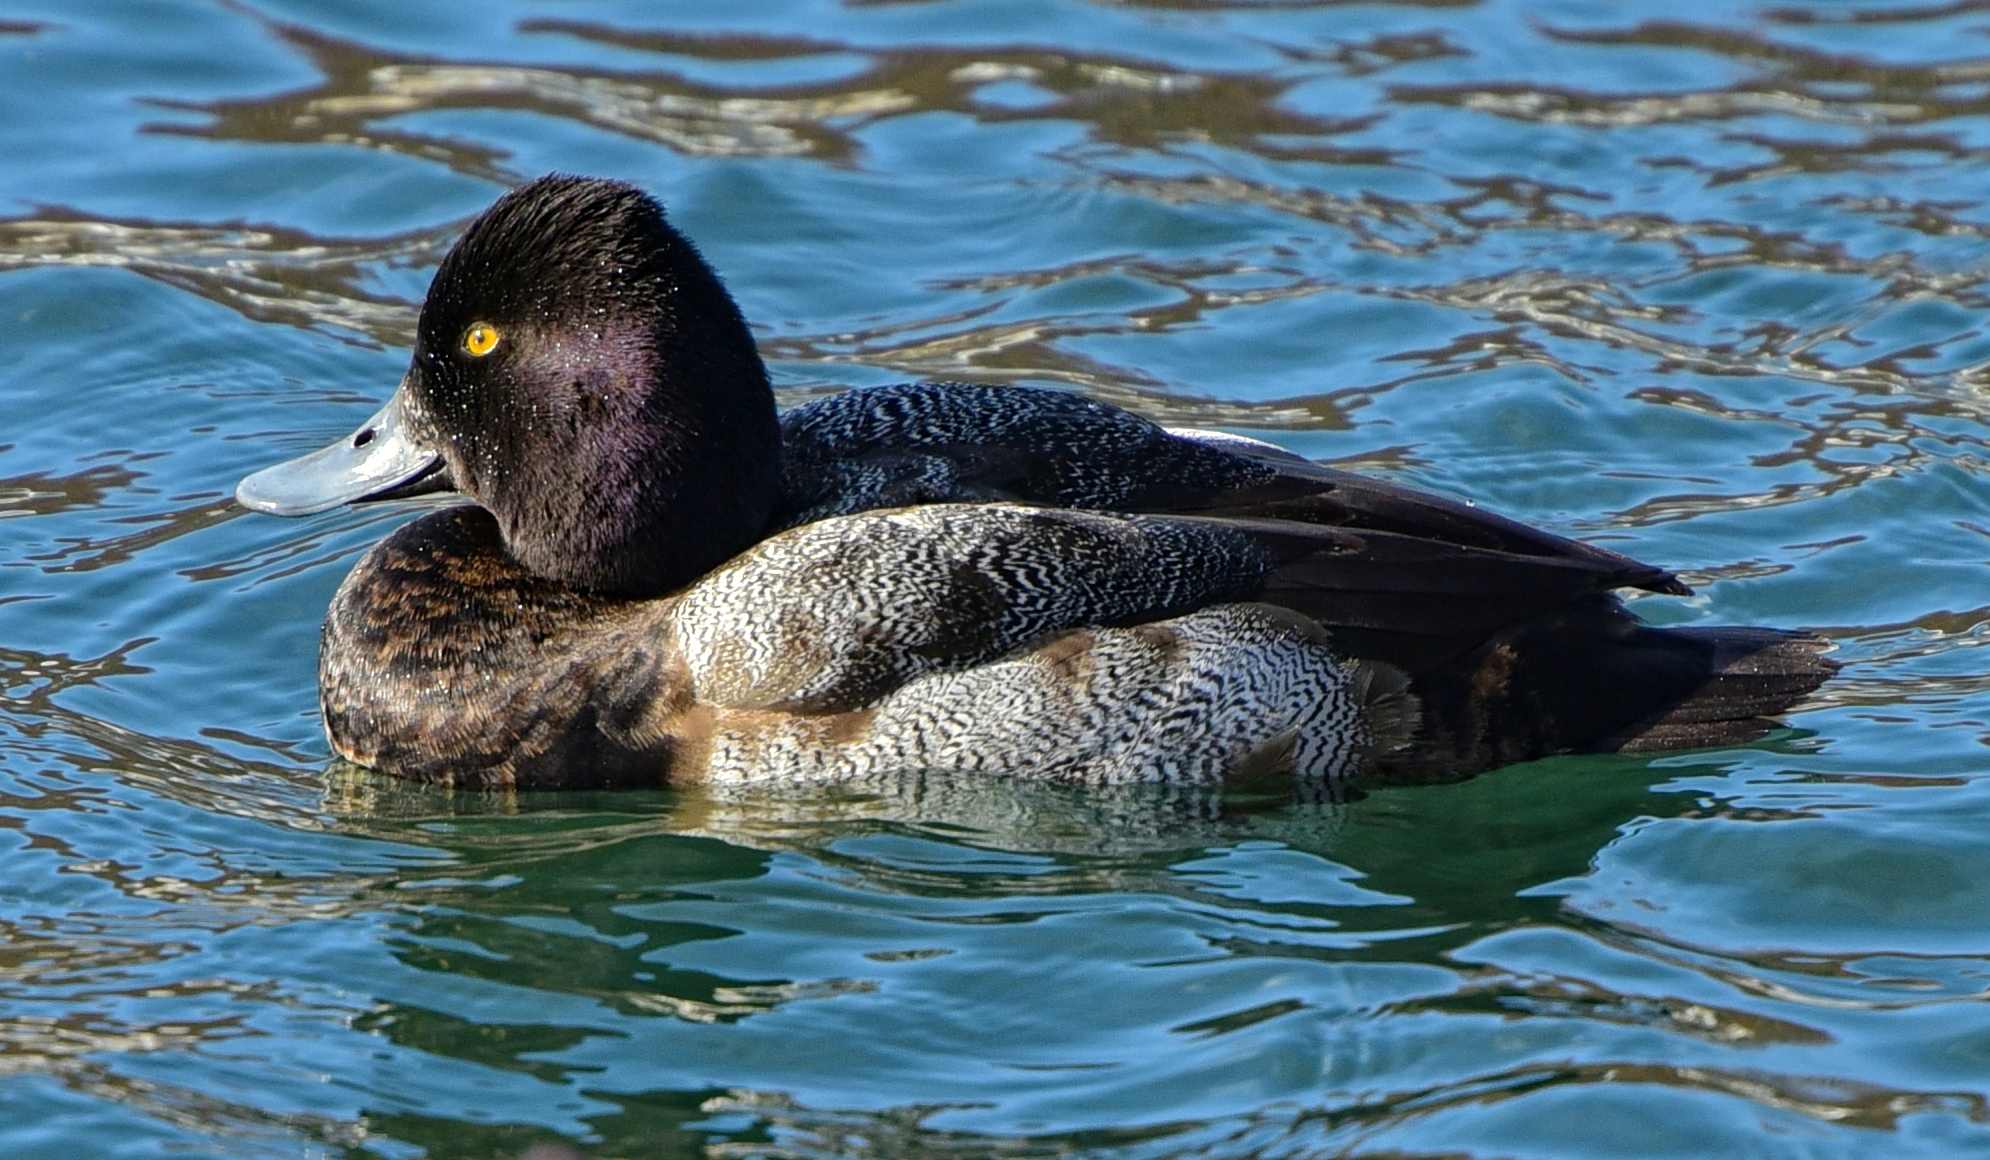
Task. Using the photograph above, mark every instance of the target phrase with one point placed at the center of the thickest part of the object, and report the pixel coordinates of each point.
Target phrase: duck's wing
(960, 442)
(1411, 600)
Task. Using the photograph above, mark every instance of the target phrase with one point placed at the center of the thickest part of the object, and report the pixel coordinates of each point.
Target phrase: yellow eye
(481, 339)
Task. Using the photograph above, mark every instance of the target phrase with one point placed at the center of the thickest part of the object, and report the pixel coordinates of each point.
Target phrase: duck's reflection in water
(996, 813)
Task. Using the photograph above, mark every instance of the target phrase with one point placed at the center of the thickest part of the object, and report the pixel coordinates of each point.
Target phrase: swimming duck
(660, 580)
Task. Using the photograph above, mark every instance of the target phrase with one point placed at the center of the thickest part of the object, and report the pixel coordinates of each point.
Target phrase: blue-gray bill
(380, 460)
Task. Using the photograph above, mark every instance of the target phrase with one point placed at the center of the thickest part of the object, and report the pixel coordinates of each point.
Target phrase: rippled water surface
(1706, 282)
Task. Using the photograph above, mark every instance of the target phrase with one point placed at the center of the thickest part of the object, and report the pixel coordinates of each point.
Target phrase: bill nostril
(363, 437)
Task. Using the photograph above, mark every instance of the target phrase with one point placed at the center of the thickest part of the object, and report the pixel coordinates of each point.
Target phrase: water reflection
(647, 861)
(745, 1123)
(1123, 101)
(43, 493)
(265, 273)
(130, 857)
(606, 909)
(1553, 314)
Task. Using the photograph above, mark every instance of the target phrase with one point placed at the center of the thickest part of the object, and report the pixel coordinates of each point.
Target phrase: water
(1704, 282)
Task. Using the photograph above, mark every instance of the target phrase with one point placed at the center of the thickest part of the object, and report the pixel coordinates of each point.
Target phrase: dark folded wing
(1413, 601)
(957, 442)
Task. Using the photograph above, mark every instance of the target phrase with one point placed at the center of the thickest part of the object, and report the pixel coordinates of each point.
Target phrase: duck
(654, 577)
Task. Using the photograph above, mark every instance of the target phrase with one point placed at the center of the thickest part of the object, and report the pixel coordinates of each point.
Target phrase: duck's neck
(669, 497)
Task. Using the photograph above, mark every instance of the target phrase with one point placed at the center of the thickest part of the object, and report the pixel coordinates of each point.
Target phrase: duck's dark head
(579, 371)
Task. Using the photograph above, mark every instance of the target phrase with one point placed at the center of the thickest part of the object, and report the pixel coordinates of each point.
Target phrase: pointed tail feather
(1755, 673)
(1590, 678)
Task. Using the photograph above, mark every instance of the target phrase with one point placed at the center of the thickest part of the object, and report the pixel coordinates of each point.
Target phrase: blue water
(1708, 283)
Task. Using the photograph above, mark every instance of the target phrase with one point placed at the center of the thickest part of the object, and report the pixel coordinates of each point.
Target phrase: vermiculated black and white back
(953, 442)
